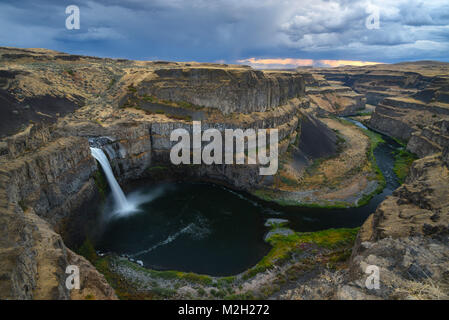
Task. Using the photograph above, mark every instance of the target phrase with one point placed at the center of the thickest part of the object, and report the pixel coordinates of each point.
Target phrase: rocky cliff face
(407, 236)
(411, 100)
(47, 171)
(332, 96)
(235, 89)
(407, 239)
(378, 82)
(43, 185)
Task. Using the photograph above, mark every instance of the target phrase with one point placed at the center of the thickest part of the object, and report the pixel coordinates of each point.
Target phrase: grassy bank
(374, 173)
(291, 255)
(402, 164)
(285, 246)
(375, 140)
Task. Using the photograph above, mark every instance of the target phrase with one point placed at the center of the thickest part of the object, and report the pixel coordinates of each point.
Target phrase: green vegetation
(87, 250)
(364, 113)
(311, 169)
(402, 164)
(340, 141)
(180, 117)
(225, 281)
(156, 168)
(101, 183)
(172, 103)
(188, 105)
(172, 275)
(401, 142)
(22, 205)
(70, 72)
(132, 89)
(241, 296)
(285, 246)
(201, 291)
(288, 181)
(218, 293)
(111, 83)
(334, 246)
(122, 289)
(164, 293)
(375, 139)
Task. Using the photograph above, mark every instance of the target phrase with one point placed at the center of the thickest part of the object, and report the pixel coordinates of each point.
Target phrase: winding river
(209, 229)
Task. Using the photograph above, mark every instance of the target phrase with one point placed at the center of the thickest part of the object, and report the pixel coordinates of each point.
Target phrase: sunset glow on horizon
(292, 63)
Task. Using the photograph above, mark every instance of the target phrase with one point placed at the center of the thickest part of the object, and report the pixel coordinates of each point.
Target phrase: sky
(261, 33)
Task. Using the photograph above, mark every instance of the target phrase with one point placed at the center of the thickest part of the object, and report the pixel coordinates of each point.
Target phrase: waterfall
(121, 203)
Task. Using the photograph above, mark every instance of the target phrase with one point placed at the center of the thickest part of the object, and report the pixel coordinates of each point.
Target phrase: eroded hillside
(52, 103)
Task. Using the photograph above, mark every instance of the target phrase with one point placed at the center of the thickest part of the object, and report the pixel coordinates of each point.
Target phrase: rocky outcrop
(422, 124)
(410, 268)
(332, 96)
(406, 238)
(52, 179)
(93, 285)
(411, 100)
(236, 89)
(431, 139)
(34, 260)
(47, 171)
(378, 82)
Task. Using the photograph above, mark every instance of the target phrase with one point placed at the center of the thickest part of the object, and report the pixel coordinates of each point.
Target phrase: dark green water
(194, 227)
(209, 229)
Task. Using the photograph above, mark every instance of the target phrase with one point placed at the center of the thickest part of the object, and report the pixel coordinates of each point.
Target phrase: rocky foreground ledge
(52, 103)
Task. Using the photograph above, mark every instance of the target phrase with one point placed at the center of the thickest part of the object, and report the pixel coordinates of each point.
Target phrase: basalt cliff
(52, 104)
(407, 236)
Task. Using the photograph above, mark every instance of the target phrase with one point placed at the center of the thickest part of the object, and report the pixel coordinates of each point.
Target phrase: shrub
(87, 250)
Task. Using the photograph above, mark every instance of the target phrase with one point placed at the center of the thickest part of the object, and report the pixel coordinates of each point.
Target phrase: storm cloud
(234, 30)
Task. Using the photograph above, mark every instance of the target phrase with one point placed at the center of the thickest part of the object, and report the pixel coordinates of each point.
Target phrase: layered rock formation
(52, 103)
(406, 238)
(33, 256)
(332, 96)
(411, 100)
(229, 89)
(55, 103)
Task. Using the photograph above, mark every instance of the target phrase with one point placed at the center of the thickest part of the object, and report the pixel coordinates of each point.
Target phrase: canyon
(55, 106)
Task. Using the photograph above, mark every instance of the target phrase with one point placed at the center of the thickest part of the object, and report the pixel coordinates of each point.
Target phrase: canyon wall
(330, 96)
(47, 173)
(406, 237)
(234, 89)
(411, 101)
(38, 188)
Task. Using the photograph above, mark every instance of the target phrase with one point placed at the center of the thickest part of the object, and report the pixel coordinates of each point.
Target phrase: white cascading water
(121, 203)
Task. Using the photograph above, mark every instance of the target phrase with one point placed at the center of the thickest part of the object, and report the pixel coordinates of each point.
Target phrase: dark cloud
(230, 30)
